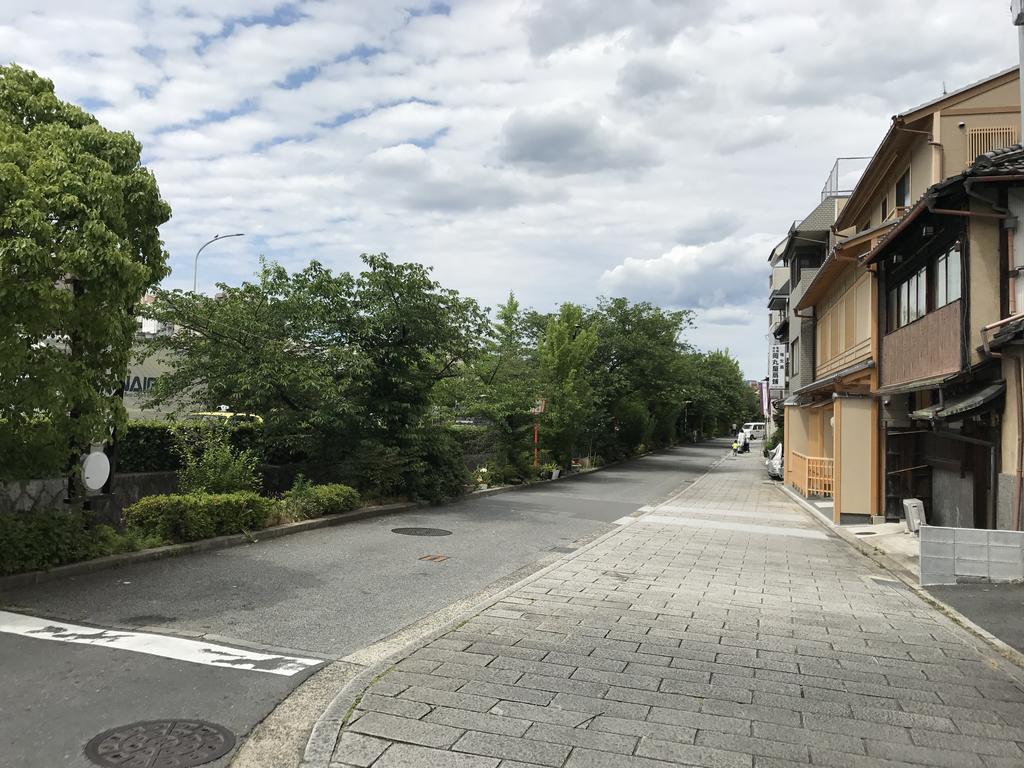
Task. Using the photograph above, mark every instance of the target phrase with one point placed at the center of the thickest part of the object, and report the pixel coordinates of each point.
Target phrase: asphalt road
(321, 594)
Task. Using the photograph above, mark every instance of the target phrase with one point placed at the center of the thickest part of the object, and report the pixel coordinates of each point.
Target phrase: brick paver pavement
(724, 628)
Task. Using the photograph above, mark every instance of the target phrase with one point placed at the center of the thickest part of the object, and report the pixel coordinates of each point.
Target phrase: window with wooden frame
(931, 287)
(903, 190)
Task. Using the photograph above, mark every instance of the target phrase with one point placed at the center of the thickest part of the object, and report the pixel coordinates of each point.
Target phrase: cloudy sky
(563, 149)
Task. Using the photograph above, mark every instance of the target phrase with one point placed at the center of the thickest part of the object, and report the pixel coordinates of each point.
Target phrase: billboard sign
(777, 366)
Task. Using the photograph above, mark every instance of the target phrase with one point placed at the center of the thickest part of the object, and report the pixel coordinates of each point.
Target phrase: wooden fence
(812, 475)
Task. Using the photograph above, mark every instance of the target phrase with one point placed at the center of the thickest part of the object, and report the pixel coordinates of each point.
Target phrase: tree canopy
(79, 247)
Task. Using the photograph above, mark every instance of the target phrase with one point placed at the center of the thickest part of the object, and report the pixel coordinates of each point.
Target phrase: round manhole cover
(863, 533)
(160, 744)
(422, 531)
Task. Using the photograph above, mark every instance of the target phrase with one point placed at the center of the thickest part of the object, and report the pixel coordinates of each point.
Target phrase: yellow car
(227, 417)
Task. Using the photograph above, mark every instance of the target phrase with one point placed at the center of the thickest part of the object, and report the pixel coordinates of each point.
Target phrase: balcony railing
(812, 475)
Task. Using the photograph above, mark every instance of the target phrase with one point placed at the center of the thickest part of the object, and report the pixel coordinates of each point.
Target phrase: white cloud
(711, 276)
(560, 148)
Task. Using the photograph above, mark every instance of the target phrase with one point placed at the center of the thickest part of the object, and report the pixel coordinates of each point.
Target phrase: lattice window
(982, 140)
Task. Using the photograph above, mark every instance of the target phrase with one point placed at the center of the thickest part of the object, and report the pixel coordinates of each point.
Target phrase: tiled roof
(821, 218)
(1008, 333)
(1008, 161)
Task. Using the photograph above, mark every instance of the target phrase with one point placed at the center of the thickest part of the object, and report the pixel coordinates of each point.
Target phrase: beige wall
(1009, 447)
(855, 417)
(798, 424)
(843, 331)
(827, 440)
(975, 112)
(984, 272)
(955, 140)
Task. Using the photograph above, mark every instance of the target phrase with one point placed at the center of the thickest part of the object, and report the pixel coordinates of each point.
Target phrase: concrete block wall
(960, 555)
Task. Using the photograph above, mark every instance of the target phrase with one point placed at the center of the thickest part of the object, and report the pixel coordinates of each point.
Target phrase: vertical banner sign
(765, 397)
(777, 366)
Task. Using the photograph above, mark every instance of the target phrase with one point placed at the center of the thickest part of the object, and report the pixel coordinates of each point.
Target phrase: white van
(754, 430)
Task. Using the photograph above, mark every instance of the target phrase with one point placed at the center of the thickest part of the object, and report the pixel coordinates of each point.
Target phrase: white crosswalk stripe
(194, 651)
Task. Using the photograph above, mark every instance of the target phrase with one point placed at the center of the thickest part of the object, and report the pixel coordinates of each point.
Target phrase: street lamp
(195, 266)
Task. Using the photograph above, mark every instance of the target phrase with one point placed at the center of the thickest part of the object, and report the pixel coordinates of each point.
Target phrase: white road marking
(624, 520)
(771, 530)
(646, 508)
(195, 651)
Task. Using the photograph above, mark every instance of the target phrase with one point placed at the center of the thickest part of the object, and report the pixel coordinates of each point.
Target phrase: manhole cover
(863, 533)
(160, 744)
(422, 531)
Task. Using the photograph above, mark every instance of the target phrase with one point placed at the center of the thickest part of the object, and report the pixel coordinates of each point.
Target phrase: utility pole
(1017, 10)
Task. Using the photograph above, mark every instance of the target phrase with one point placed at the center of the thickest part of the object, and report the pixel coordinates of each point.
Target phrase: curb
(911, 580)
(71, 570)
(327, 729)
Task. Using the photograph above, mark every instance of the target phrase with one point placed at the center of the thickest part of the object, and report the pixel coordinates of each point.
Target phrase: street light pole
(195, 266)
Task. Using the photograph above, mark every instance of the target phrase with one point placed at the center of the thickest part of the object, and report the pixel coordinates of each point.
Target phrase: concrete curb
(912, 581)
(18, 580)
(326, 731)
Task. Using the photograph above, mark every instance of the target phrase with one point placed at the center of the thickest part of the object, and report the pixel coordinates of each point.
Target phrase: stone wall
(47, 495)
(33, 495)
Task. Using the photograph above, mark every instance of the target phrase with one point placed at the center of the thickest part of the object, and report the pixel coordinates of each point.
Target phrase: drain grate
(421, 531)
(160, 744)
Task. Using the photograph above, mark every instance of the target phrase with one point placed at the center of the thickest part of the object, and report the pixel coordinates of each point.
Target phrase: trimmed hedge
(147, 446)
(309, 501)
(177, 518)
(152, 446)
(38, 541)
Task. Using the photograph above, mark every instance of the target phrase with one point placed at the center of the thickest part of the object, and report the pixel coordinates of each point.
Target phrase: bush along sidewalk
(40, 541)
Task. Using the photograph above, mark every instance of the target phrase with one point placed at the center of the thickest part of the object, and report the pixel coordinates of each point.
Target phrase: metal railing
(812, 475)
(843, 177)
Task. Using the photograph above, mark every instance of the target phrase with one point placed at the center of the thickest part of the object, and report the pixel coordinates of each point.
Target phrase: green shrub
(147, 446)
(157, 446)
(210, 464)
(189, 517)
(306, 500)
(434, 467)
(33, 542)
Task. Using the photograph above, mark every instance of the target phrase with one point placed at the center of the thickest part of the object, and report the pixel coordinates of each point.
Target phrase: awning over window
(960, 405)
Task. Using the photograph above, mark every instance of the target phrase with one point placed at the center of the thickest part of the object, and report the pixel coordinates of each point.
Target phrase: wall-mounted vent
(982, 140)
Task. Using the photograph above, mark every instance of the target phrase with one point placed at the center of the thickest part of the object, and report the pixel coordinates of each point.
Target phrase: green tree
(639, 372)
(79, 247)
(499, 387)
(565, 352)
(341, 367)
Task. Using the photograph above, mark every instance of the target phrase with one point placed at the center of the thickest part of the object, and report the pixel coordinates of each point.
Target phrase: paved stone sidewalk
(724, 628)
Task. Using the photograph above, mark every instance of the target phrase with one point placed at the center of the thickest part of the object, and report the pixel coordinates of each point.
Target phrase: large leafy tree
(336, 364)
(638, 367)
(79, 247)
